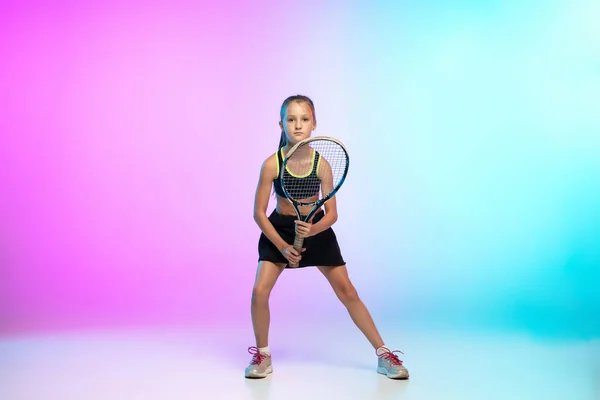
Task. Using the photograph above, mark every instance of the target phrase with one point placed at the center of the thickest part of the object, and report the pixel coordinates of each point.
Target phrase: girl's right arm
(268, 172)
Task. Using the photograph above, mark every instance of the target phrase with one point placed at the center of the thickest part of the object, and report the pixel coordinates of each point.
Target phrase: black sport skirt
(322, 249)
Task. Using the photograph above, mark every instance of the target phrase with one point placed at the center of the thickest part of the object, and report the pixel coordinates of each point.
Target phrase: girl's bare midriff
(284, 207)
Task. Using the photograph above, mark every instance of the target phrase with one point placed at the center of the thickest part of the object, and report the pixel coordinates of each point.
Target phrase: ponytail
(282, 140)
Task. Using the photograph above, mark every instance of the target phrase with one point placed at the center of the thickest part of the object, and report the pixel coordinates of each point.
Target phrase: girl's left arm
(328, 220)
(331, 214)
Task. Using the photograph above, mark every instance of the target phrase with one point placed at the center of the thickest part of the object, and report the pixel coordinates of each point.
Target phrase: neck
(302, 151)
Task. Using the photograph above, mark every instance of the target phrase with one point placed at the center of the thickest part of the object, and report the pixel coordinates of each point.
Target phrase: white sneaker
(260, 365)
(390, 365)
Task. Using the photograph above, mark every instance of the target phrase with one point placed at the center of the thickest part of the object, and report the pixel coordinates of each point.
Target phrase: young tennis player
(320, 248)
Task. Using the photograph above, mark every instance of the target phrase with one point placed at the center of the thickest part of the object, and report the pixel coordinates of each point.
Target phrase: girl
(297, 122)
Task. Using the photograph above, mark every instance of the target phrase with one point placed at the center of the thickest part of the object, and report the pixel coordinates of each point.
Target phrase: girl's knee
(260, 293)
(347, 293)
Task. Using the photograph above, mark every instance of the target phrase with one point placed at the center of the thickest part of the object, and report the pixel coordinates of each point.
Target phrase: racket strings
(314, 169)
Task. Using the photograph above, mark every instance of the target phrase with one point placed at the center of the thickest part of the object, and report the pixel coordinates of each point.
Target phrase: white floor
(204, 364)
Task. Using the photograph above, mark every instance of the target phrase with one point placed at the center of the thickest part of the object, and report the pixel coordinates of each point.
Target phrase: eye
(306, 119)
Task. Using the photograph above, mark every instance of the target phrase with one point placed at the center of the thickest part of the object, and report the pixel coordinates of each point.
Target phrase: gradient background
(133, 134)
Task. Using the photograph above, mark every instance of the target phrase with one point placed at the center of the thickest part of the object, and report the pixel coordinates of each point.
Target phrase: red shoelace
(257, 356)
(390, 356)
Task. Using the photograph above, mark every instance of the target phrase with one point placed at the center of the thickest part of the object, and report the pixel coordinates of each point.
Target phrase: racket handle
(298, 242)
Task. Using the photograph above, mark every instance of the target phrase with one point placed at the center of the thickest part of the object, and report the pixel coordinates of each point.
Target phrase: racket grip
(298, 242)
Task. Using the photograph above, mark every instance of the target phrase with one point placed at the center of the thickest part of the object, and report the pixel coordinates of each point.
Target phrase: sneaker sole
(384, 371)
(268, 371)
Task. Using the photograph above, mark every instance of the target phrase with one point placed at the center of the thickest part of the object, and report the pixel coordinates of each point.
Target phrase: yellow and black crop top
(298, 187)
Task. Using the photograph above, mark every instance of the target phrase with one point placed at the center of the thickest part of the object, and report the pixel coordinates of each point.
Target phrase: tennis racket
(312, 172)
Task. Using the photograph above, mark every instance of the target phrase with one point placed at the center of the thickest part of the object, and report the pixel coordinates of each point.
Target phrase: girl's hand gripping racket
(312, 172)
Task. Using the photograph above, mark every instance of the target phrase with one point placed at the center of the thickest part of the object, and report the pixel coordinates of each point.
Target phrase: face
(298, 122)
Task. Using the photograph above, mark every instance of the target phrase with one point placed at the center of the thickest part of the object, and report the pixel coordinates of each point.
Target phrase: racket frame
(299, 241)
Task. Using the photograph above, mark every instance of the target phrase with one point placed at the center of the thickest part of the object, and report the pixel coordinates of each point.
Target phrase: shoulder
(269, 167)
(323, 166)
